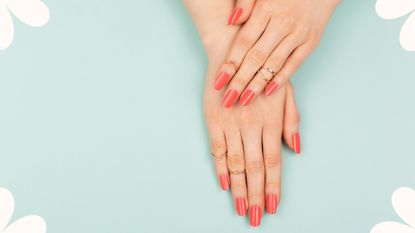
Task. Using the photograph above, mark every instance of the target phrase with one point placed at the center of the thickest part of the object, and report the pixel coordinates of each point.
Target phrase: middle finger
(255, 174)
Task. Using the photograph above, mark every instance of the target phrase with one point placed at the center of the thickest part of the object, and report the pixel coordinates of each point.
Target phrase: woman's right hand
(271, 45)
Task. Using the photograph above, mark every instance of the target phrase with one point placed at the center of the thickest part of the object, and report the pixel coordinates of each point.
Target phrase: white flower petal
(28, 224)
(6, 31)
(6, 206)
(391, 9)
(32, 12)
(391, 227)
(407, 36)
(403, 201)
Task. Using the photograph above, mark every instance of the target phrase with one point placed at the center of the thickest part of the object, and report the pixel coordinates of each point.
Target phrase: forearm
(210, 18)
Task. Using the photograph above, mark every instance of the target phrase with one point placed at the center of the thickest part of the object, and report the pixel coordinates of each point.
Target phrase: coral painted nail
(255, 215)
(221, 80)
(296, 142)
(235, 15)
(224, 181)
(272, 203)
(230, 98)
(240, 204)
(270, 88)
(247, 97)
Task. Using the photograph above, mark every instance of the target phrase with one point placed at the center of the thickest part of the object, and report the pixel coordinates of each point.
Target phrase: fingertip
(241, 206)
(296, 142)
(235, 16)
(241, 12)
(221, 80)
(247, 97)
(224, 181)
(272, 201)
(230, 98)
(270, 88)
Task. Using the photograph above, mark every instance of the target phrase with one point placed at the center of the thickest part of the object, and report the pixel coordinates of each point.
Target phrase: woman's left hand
(271, 45)
(245, 141)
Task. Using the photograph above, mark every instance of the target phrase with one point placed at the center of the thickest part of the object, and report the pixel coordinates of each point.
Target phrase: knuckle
(303, 28)
(286, 20)
(248, 119)
(244, 42)
(236, 162)
(272, 160)
(254, 166)
(276, 60)
(245, 116)
(256, 56)
(218, 147)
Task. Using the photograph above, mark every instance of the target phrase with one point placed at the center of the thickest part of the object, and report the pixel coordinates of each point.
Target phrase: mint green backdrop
(101, 125)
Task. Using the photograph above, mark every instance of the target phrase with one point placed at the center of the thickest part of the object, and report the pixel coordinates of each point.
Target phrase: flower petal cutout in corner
(28, 224)
(403, 201)
(392, 9)
(34, 13)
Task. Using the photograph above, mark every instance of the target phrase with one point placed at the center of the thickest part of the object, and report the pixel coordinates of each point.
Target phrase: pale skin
(275, 39)
(243, 138)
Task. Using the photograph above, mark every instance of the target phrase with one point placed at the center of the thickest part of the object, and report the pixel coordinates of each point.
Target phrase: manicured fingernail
(270, 88)
(240, 204)
(247, 97)
(296, 142)
(255, 215)
(224, 181)
(221, 80)
(235, 15)
(272, 203)
(230, 98)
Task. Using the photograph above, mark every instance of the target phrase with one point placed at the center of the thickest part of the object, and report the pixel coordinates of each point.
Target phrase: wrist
(218, 43)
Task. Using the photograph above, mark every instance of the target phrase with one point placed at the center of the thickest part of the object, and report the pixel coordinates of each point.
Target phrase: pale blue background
(101, 125)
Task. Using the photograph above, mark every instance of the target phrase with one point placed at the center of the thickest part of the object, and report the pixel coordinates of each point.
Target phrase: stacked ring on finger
(269, 70)
(263, 76)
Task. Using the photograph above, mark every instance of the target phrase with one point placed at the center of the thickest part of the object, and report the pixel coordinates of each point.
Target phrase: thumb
(241, 12)
(291, 121)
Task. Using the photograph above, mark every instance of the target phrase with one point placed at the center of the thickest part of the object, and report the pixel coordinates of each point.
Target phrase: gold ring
(269, 70)
(220, 157)
(235, 66)
(263, 76)
(237, 172)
